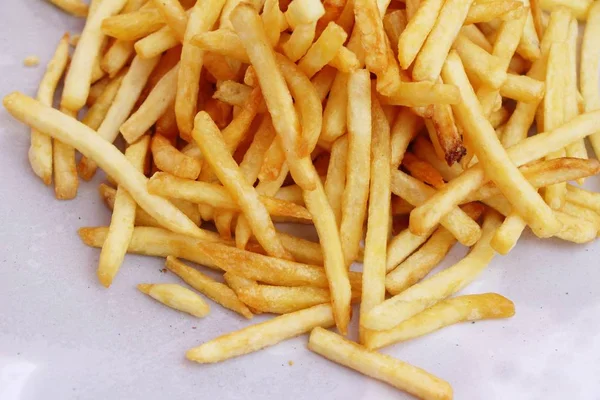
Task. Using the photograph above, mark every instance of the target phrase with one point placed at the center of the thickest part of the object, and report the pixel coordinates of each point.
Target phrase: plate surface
(63, 336)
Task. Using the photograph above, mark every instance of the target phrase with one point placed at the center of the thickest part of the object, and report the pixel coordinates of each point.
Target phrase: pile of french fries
(401, 121)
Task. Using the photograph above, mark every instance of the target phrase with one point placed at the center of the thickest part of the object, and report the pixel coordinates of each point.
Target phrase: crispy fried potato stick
(399, 374)
(590, 63)
(122, 220)
(212, 289)
(79, 76)
(168, 159)
(66, 182)
(40, 151)
(445, 313)
(133, 25)
(495, 161)
(74, 7)
(336, 176)
(176, 297)
(372, 35)
(579, 8)
(262, 335)
(73, 133)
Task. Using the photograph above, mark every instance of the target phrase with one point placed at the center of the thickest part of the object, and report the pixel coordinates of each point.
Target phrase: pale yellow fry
(590, 64)
(96, 113)
(402, 246)
(323, 50)
(174, 15)
(168, 159)
(335, 182)
(40, 150)
(374, 263)
(249, 27)
(404, 129)
(66, 182)
(416, 94)
(133, 25)
(418, 28)
(488, 11)
(523, 88)
(477, 37)
(109, 158)
(583, 198)
(487, 68)
(323, 82)
(262, 335)
(176, 297)
(116, 57)
(395, 23)
(202, 17)
(75, 7)
(156, 43)
(579, 8)
(430, 60)
(345, 60)
(576, 149)
(507, 235)
(420, 263)
(416, 193)
(212, 289)
(448, 312)
(425, 151)
(335, 112)
(554, 113)
(495, 160)
(131, 87)
(529, 47)
(122, 220)
(304, 12)
(79, 76)
(300, 41)
(155, 105)
(369, 24)
(222, 41)
(399, 374)
(211, 144)
(233, 93)
(356, 192)
(582, 212)
(282, 299)
(426, 293)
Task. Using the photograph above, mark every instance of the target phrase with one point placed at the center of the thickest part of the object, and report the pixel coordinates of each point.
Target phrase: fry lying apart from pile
(403, 122)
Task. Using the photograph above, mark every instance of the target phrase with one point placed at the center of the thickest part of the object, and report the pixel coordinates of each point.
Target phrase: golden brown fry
(281, 299)
(134, 25)
(167, 158)
(116, 57)
(404, 129)
(79, 76)
(430, 60)
(142, 218)
(379, 366)
(415, 94)
(522, 88)
(122, 220)
(73, 133)
(176, 297)
(335, 112)
(156, 43)
(262, 335)
(395, 23)
(579, 8)
(422, 170)
(372, 34)
(40, 150)
(202, 17)
(488, 11)
(576, 149)
(74, 7)
(323, 50)
(485, 67)
(336, 176)
(66, 181)
(300, 41)
(424, 149)
(214, 290)
(174, 15)
(417, 29)
(221, 41)
(303, 12)
(590, 63)
(445, 313)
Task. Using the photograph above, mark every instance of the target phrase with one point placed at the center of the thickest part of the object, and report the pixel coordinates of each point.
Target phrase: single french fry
(345, 60)
(426, 293)
(71, 132)
(424, 149)
(211, 143)
(168, 159)
(445, 313)
(422, 170)
(487, 68)
(122, 220)
(174, 15)
(404, 129)
(142, 218)
(66, 182)
(177, 297)
(323, 50)
(379, 366)
(273, 20)
(116, 57)
(303, 12)
(203, 16)
(132, 85)
(134, 25)
(395, 23)
(496, 162)
(582, 212)
(356, 192)
(374, 268)
(262, 335)
(281, 299)
(335, 112)
(161, 97)
(583, 198)
(221, 41)
(74, 7)
(447, 136)
(333, 10)
(77, 81)
(212, 289)
(40, 150)
(590, 63)
(415, 94)
(430, 60)
(323, 82)
(335, 182)
(576, 149)
(156, 43)
(522, 88)
(300, 41)
(372, 35)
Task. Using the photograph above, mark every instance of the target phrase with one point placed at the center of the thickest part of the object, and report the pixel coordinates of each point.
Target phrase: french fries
(399, 123)
(379, 366)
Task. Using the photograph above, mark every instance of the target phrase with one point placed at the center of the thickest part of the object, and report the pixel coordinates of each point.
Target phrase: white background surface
(63, 336)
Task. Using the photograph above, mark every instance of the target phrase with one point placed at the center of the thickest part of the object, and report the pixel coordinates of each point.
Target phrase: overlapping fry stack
(351, 115)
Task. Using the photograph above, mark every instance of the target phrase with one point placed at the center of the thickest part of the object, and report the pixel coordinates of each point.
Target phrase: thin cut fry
(134, 25)
(40, 151)
(323, 50)
(256, 337)
(79, 77)
(445, 313)
(590, 63)
(372, 35)
(75, 7)
(66, 181)
(109, 158)
(335, 182)
(176, 297)
(174, 15)
(212, 289)
(281, 299)
(399, 374)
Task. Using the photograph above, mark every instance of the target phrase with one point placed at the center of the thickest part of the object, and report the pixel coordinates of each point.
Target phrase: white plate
(63, 336)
